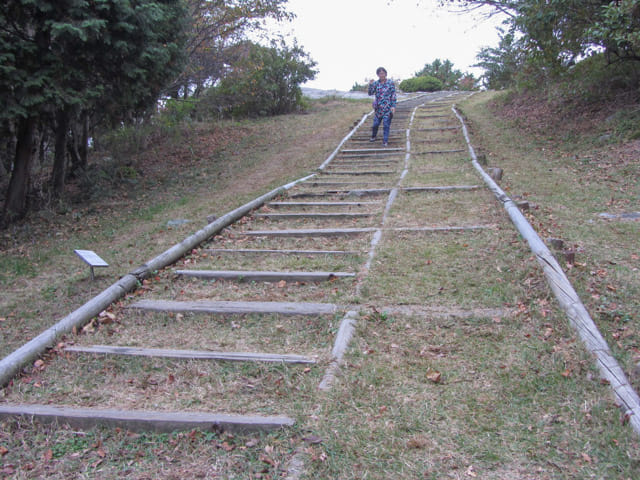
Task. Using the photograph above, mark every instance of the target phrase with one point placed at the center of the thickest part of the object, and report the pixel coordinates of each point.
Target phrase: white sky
(349, 39)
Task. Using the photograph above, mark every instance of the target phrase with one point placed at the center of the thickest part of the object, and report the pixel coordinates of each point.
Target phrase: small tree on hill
(443, 71)
(266, 81)
(502, 64)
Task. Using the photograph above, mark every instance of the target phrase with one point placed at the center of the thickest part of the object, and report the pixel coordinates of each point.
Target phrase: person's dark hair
(381, 69)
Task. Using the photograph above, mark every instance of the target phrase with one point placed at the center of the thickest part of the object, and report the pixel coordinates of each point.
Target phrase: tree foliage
(65, 60)
(215, 28)
(422, 83)
(265, 81)
(501, 64)
(547, 37)
(438, 75)
(442, 70)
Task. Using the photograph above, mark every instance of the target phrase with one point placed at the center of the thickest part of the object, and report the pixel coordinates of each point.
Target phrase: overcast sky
(349, 39)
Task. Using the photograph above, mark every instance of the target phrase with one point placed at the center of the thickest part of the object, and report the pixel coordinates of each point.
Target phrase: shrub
(265, 82)
(421, 84)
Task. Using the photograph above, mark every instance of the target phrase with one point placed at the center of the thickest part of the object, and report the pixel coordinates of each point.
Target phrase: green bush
(421, 84)
(265, 82)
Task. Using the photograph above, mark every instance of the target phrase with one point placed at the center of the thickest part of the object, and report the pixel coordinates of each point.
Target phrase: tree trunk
(15, 204)
(79, 143)
(57, 174)
(83, 148)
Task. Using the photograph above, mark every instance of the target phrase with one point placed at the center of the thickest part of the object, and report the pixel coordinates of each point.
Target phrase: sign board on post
(92, 259)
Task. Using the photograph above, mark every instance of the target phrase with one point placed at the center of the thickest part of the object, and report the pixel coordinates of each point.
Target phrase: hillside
(462, 364)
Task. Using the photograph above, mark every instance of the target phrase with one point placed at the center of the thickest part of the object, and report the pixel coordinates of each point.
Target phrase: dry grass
(462, 366)
(455, 208)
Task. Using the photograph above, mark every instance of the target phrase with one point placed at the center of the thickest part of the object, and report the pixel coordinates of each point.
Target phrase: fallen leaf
(48, 455)
(3, 450)
(282, 284)
(312, 439)
(226, 447)
(268, 460)
(586, 457)
(433, 376)
(566, 373)
(253, 442)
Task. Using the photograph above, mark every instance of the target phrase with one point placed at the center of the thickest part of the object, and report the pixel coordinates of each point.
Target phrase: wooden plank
(437, 152)
(345, 332)
(359, 172)
(282, 252)
(371, 150)
(144, 421)
(319, 204)
(249, 276)
(236, 308)
(355, 192)
(344, 184)
(365, 163)
(434, 129)
(191, 354)
(372, 155)
(329, 215)
(440, 189)
(320, 232)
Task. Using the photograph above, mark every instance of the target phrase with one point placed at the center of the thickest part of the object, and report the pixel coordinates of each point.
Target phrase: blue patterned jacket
(385, 97)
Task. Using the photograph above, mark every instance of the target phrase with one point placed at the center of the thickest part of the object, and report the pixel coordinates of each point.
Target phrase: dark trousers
(386, 126)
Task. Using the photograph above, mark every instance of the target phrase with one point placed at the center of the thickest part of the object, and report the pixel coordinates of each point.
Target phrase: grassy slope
(520, 398)
(208, 169)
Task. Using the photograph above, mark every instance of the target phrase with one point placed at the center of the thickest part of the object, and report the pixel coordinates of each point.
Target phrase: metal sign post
(92, 259)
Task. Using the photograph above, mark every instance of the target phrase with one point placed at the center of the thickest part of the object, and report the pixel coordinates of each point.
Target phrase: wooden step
(341, 184)
(249, 276)
(321, 232)
(443, 188)
(372, 155)
(359, 172)
(372, 150)
(281, 252)
(436, 152)
(312, 215)
(319, 204)
(354, 192)
(235, 308)
(144, 421)
(191, 354)
(434, 129)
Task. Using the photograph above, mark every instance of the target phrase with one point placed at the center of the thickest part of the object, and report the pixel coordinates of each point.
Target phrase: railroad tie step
(372, 150)
(354, 192)
(145, 421)
(308, 232)
(320, 204)
(191, 354)
(343, 184)
(268, 251)
(265, 276)
(235, 308)
(312, 215)
(359, 172)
